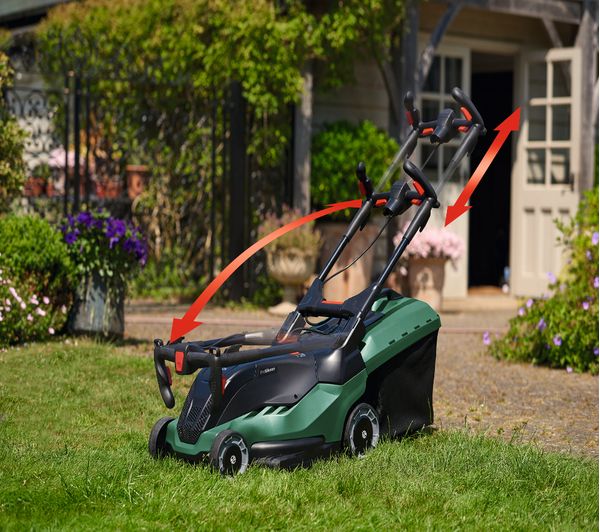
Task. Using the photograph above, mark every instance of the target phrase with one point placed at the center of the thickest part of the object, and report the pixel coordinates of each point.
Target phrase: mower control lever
(466, 104)
(366, 187)
(417, 174)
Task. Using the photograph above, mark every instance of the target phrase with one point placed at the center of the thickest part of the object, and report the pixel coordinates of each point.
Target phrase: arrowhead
(454, 211)
(512, 123)
(181, 326)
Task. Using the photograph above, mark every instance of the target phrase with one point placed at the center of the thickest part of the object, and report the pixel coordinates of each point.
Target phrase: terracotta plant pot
(137, 179)
(290, 267)
(426, 280)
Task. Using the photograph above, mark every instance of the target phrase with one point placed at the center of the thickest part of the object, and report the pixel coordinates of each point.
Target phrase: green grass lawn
(74, 421)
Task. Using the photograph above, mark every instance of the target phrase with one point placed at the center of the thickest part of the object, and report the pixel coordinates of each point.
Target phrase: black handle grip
(363, 179)
(464, 101)
(326, 310)
(162, 377)
(413, 114)
(415, 173)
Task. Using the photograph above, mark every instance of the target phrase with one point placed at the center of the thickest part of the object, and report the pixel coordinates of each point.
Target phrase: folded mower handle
(163, 375)
(465, 102)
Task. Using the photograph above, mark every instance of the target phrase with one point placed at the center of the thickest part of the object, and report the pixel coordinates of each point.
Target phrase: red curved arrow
(181, 326)
(460, 205)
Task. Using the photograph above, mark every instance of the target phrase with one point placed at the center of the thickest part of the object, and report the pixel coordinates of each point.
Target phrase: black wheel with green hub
(157, 446)
(361, 432)
(229, 454)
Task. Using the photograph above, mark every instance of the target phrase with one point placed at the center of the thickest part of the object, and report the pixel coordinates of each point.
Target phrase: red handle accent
(332, 302)
(427, 131)
(420, 190)
(361, 188)
(466, 113)
(409, 118)
(179, 360)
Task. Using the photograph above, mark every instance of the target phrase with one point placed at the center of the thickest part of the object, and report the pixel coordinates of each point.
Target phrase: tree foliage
(158, 66)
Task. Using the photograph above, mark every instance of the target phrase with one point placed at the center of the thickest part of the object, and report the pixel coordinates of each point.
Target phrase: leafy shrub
(562, 329)
(337, 149)
(99, 243)
(12, 165)
(36, 280)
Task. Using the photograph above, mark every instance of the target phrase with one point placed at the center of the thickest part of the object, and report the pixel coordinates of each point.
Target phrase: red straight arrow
(460, 206)
(181, 326)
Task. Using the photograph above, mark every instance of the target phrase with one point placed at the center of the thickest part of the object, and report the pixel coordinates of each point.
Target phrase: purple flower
(551, 278)
(541, 324)
(71, 237)
(595, 282)
(588, 255)
(595, 238)
(85, 218)
(529, 303)
(569, 369)
(486, 338)
(557, 340)
(521, 312)
(586, 305)
(596, 351)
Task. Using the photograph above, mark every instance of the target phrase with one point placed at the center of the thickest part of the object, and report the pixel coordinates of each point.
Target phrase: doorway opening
(489, 220)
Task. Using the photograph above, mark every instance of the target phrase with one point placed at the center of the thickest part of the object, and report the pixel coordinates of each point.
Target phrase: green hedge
(36, 280)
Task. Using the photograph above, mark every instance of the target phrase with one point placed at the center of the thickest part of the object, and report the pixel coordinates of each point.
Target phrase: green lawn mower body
(294, 416)
(366, 369)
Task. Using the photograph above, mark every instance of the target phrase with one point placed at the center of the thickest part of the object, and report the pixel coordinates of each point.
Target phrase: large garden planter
(98, 309)
(356, 278)
(290, 267)
(426, 280)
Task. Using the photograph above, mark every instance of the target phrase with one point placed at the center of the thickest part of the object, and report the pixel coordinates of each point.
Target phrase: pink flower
(51, 330)
(586, 305)
(34, 300)
(8, 303)
(12, 290)
(46, 300)
(529, 303)
(23, 305)
(521, 311)
(434, 243)
(569, 369)
(40, 311)
(29, 317)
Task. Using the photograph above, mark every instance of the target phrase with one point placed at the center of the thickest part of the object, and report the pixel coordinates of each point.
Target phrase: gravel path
(517, 401)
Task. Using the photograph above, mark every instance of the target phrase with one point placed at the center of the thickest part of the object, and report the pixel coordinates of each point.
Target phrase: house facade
(538, 55)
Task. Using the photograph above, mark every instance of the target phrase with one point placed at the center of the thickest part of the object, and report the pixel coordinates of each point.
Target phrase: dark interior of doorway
(489, 219)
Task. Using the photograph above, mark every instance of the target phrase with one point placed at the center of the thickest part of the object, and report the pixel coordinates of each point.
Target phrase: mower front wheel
(361, 432)
(229, 454)
(157, 446)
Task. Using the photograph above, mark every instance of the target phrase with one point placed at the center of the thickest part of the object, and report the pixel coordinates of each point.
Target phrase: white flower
(23, 305)
(29, 317)
(63, 309)
(8, 303)
(46, 300)
(12, 290)
(51, 330)
(34, 300)
(40, 311)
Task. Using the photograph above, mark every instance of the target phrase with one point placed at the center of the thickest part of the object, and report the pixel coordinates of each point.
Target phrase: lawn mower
(365, 369)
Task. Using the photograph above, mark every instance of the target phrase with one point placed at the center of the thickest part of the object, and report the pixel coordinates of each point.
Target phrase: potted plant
(427, 256)
(106, 251)
(291, 258)
(335, 151)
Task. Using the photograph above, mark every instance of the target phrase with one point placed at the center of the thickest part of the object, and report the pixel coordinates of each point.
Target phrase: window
(447, 71)
(549, 138)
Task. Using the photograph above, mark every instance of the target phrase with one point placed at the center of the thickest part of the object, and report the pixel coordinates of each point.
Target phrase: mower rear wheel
(229, 454)
(157, 446)
(361, 432)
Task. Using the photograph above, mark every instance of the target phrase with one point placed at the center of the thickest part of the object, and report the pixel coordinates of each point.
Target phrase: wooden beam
(302, 136)
(587, 40)
(434, 41)
(569, 11)
(552, 32)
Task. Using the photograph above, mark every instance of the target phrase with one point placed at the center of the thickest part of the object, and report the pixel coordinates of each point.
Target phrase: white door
(546, 170)
(451, 67)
